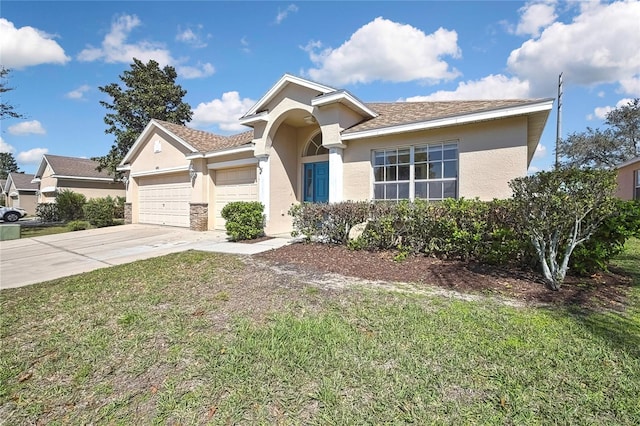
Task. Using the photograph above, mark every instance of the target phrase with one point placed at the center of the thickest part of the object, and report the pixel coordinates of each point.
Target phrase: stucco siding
(92, 189)
(490, 155)
(284, 179)
(626, 180)
(170, 154)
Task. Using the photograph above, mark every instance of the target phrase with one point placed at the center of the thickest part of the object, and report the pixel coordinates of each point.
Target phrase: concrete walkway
(33, 260)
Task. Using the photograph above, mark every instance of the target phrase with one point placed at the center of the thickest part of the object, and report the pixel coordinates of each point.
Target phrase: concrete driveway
(32, 260)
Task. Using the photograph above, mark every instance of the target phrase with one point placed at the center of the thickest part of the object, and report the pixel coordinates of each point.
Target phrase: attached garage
(238, 184)
(164, 200)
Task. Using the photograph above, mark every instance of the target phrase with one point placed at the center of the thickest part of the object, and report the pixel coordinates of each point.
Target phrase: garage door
(233, 185)
(164, 200)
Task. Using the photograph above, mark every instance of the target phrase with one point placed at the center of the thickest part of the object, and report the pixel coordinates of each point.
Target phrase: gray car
(11, 214)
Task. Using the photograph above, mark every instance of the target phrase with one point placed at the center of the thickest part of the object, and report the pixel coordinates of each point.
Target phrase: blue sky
(228, 54)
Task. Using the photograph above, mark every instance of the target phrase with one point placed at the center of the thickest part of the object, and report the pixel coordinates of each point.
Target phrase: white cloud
(201, 70)
(192, 38)
(386, 50)
(28, 46)
(631, 86)
(601, 112)
(490, 87)
(78, 93)
(282, 14)
(541, 151)
(116, 49)
(535, 17)
(223, 112)
(5, 147)
(587, 50)
(33, 127)
(33, 156)
(245, 45)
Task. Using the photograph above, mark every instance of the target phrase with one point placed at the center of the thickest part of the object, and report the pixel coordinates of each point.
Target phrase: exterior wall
(47, 181)
(284, 180)
(171, 154)
(490, 155)
(626, 180)
(27, 200)
(92, 189)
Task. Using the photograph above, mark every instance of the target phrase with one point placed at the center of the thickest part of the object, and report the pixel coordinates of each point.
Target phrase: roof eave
(498, 113)
(145, 133)
(344, 98)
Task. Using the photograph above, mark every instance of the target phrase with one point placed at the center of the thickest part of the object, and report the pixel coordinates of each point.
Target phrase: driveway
(32, 260)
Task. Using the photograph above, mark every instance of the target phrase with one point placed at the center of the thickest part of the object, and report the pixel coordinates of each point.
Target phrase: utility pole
(559, 120)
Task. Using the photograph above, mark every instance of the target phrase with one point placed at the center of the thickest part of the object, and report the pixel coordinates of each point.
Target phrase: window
(426, 171)
(314, 147)
(636, 193)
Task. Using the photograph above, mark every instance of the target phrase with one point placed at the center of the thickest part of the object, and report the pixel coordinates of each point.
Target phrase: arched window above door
(314, 147)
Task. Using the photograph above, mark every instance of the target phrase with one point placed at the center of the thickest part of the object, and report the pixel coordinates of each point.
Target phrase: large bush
(119, 207)
(328, 222)
(100, 212)
(244, 220)
(48, 212)
(70, 205)
(609, 239)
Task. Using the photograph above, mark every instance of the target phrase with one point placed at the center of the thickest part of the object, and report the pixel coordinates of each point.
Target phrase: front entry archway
(316, 182)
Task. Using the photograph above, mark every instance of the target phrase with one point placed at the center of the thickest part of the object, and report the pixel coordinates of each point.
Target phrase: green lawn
(39, 231)
(199, 338)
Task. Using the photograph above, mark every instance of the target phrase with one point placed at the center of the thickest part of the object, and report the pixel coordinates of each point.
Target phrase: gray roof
(22, 181)
(398, 113)
(75, 167)
(205, 141)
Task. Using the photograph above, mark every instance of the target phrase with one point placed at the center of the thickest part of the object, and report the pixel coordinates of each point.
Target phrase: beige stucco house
(311, 142)
(57, 173)
(629, 180)
(21, 192)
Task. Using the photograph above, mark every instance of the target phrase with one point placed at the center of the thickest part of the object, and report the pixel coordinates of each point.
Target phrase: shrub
(609, 239)
(119, 207)
(70, 205)
(244, 220)
(100, 211)
(48, 212)
(328, 222)
(78, 225)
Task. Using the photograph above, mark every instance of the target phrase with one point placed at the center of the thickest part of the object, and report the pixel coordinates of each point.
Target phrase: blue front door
(316, 182)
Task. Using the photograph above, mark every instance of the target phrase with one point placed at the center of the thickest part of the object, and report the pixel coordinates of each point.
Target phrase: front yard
(199, 338)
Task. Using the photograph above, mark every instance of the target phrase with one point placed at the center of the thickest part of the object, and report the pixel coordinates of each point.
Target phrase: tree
(562, 209)
(595, 148)
(6, 110)
(8, 164)
(625, 124)
(150, 92)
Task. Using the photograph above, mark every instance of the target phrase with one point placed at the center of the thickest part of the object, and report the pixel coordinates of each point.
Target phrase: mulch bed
(602, 291)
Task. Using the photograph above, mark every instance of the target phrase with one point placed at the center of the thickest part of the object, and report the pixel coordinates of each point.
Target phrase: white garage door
(233, 185)
(164, 200)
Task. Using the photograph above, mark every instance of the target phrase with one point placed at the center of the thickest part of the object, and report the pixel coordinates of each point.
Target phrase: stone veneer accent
(128, 216)
(198, 216)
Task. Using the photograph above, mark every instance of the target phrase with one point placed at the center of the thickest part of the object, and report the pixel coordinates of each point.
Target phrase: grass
(39, 231)
(201, 338)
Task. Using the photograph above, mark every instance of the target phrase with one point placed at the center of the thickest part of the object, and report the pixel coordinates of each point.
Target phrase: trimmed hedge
(488, 232)
(244, 220)
(100, 212)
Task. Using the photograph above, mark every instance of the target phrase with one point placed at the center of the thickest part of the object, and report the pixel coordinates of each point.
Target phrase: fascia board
(345, 98)
(284, 80)
(145, 133)
(452, 121)
(160, 171)
(255, 118)
(82, 178)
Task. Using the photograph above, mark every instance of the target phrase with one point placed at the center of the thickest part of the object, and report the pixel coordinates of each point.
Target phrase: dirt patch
(602, 291)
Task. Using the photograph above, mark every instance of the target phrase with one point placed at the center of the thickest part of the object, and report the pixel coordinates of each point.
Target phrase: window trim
(412, 163)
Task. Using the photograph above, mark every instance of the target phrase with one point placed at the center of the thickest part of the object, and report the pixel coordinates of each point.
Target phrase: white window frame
(412, 169)
(636, 189)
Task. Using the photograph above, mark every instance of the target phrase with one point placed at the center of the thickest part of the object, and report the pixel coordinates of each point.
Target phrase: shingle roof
(22, 182)
(398, 113)
(205, 141)
(76, 167)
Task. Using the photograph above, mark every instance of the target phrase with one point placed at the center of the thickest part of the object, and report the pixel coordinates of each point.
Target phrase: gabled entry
(316, 182)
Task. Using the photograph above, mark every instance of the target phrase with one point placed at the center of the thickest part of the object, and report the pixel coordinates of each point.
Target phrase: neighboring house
(3, 196)
(21, 192)
(311, 142)
(629, 180)
(57, 173)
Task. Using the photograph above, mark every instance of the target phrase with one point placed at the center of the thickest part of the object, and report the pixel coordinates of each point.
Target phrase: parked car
(11, 214)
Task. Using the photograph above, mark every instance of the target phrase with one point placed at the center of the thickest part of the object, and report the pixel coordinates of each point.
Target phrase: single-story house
(629, 180)
(21, 192)
(314, 143)
(80, 175)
